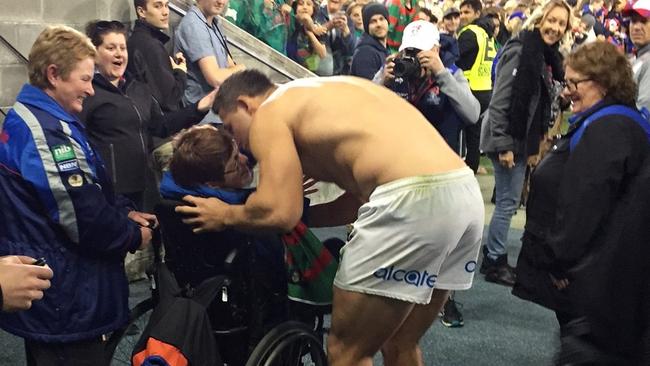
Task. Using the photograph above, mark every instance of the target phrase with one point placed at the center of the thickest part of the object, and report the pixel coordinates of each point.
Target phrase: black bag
(179, 332)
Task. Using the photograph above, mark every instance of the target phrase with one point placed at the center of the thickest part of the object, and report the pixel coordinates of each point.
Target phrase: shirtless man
(420, 211)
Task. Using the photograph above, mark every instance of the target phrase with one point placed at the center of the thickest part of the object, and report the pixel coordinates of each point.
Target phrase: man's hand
(206, 102)
(430, 61)
(507, 159)
(389, 73)
(340, 22)
(309, 185)
(22, 282)
(144, 219)
(179, 63)
(204, 214)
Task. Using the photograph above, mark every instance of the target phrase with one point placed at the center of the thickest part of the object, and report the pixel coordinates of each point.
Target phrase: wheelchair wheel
(122, 342)
(290, 343)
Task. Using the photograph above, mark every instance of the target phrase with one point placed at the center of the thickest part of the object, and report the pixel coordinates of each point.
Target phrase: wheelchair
(252, 319)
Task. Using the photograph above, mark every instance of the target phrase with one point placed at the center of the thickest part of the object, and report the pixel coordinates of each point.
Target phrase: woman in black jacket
(585, 251)
(123, 120)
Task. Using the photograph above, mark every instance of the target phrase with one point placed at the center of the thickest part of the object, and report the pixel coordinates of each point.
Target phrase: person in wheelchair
(207, 162)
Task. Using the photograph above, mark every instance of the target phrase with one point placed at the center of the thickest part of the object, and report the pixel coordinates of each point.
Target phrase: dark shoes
(498, 271)
(451, 316)
(503, 275)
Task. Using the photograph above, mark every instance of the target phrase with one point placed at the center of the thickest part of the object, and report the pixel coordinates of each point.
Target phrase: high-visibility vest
(479, 76)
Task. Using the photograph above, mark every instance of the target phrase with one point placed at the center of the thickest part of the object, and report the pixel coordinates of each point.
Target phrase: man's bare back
(356, 134)
(419, 208)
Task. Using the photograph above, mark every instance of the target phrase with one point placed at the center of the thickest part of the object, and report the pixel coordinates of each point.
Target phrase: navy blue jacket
(369, 57)
(58, 203)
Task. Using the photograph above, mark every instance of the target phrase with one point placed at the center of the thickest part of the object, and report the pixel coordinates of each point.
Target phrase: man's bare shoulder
(313, 92)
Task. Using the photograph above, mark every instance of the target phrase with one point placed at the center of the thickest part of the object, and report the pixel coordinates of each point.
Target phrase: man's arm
(365, 63)
(193, 39)
(467, 49)
(214, 74)
(456, 88)
(643, 82)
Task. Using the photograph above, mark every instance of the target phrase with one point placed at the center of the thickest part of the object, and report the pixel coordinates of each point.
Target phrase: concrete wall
(22, 20)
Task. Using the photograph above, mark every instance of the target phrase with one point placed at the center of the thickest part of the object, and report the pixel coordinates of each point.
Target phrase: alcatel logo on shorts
(412, 277)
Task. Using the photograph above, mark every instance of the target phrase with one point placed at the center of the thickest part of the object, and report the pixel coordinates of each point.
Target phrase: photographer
(440, 92)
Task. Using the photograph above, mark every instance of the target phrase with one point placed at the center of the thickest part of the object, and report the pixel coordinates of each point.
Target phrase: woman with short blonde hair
(63, 209)
(61, 46)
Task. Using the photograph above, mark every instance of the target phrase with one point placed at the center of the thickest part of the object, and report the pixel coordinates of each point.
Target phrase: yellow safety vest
(480, 75)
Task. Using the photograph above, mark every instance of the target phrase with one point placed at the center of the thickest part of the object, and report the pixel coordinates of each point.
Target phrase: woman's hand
(560, 284)
(533, 160)
(507, 159)
(144, 219)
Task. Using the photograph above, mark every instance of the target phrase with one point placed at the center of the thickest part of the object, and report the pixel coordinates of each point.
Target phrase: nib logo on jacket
(412, 277)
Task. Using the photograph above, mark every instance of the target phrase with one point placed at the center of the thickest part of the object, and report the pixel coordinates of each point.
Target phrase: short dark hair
(97, 29)
(429, 13)
(200, 156)
(139, 3)
(251, 83)
(474, 4)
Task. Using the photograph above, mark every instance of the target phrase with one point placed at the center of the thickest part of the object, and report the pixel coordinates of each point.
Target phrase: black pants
(82, 353)
(473, 132)
(472, 139)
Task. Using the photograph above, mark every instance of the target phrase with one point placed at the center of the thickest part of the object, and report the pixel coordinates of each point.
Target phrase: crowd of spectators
(493, 77)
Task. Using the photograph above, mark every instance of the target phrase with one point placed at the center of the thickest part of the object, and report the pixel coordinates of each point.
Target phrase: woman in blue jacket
(58, 203)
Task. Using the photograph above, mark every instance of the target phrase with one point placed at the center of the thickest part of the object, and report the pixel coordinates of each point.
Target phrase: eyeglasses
(572, 85)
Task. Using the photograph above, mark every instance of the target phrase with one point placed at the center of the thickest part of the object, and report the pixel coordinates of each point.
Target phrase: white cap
(421, 35)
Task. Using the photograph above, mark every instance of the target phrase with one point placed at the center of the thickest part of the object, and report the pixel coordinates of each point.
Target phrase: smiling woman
(518, 117)
(123, 118)
(58, 204)
(579, 234)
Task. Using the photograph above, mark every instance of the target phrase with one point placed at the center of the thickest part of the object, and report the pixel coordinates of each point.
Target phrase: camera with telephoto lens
(407, 65)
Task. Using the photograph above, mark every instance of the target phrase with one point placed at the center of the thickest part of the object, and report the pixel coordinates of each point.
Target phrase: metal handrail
(252, 46)
(13, 49)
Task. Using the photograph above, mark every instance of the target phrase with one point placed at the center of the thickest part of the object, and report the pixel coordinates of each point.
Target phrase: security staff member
(477, 51)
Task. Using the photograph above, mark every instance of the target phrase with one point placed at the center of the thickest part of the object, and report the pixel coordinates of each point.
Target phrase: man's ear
(140, 11)
(248, 103)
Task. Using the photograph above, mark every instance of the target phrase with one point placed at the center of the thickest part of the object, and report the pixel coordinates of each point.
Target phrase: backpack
(179, 332)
